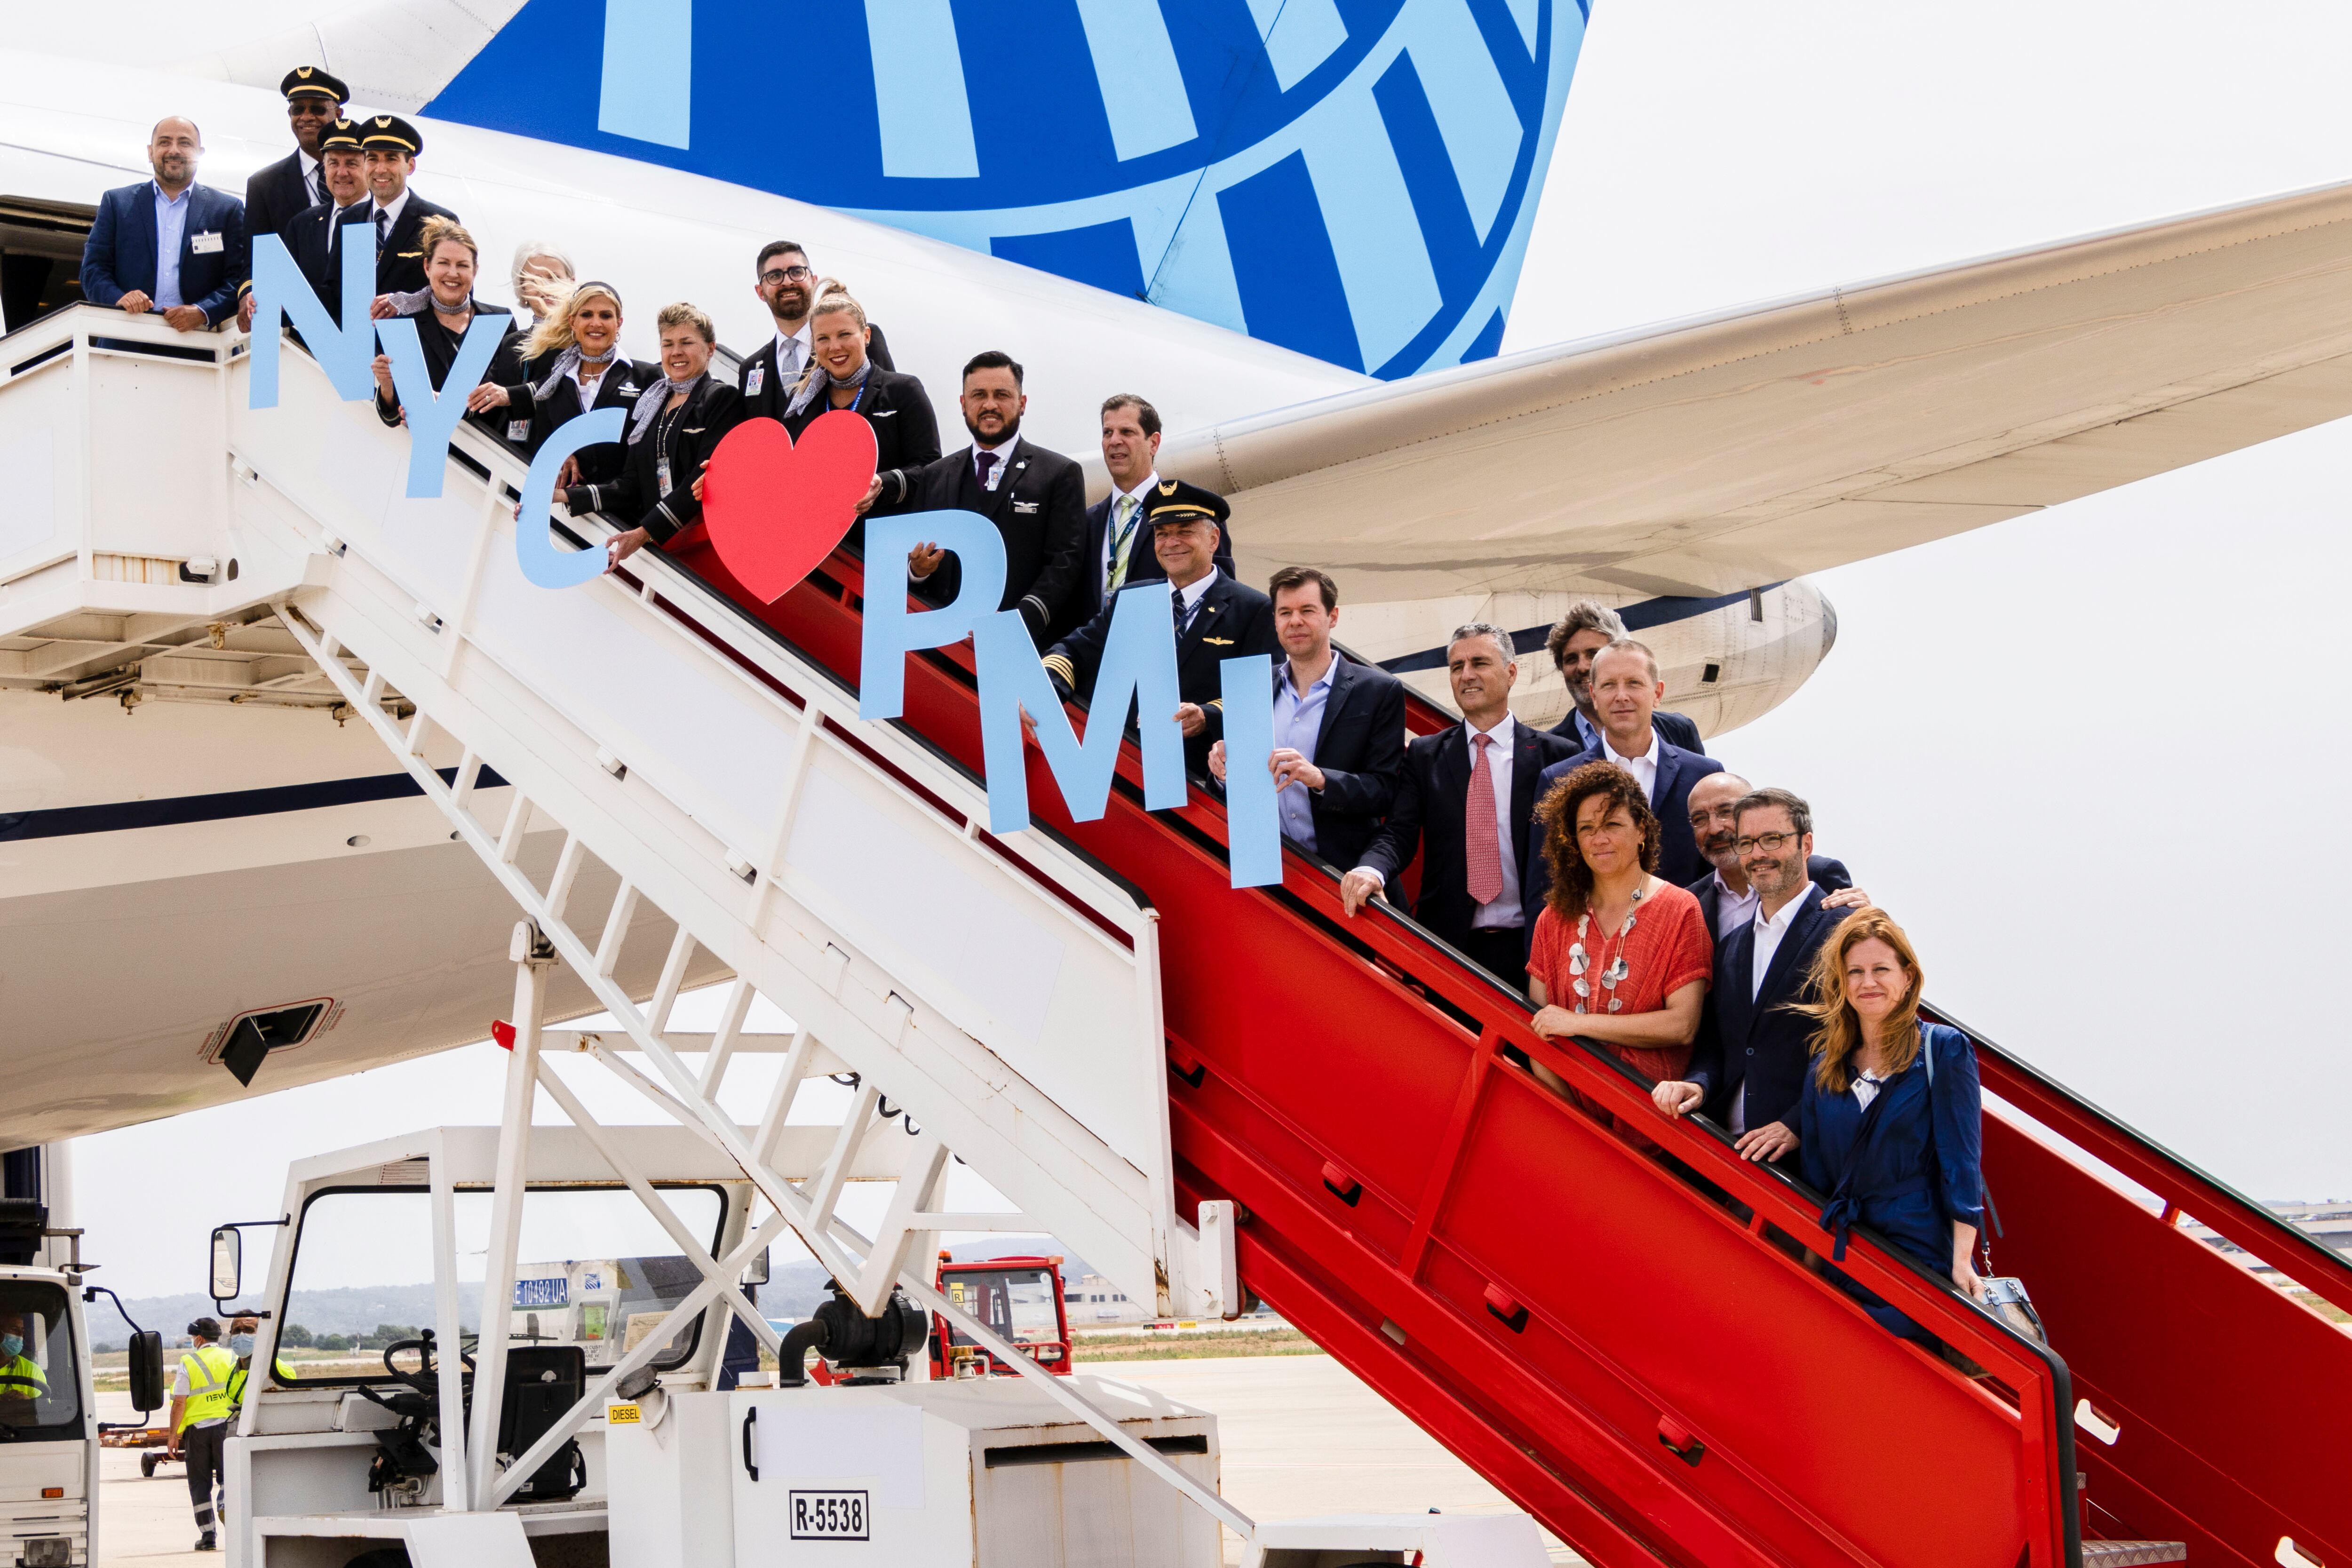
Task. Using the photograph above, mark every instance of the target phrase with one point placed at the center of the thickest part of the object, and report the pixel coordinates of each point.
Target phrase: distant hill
(355, 1310)
(794, 1292)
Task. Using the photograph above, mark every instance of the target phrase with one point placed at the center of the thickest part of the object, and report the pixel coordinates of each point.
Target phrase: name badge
(517, 429)
(752, 383)
(205, 244)
(661, 476)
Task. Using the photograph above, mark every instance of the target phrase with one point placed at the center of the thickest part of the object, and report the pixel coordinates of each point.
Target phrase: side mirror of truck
(147, 1371)
(229, 1263)
(756, 1272)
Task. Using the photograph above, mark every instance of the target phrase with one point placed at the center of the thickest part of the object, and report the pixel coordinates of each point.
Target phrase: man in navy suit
(1339, 726)
(1725, 894)
(168, 244)
(1465, 803)
(1587, 626)
(1748, 1070)
(1118, 549)
(1625, 692)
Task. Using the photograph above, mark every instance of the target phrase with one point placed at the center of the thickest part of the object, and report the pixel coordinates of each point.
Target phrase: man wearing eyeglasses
(786, 284)
(1748, 1072)
(1725, 897)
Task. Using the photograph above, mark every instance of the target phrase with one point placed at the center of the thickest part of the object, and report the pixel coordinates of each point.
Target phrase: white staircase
(1002, 996)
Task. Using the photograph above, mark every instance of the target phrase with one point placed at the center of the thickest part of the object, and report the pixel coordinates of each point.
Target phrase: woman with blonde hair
(675, 426)
(1891, 1122)
(442, 310)
(569, 365)
(842, 374)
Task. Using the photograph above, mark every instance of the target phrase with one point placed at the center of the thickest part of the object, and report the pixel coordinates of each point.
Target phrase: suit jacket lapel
(1000, 500)
(1670, 758)
(1785, 954)
(1526, 764)
(1738, 980)
(1343, 679)
(1453, 762)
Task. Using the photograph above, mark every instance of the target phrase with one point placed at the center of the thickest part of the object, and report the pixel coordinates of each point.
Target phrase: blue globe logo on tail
(1352, 179)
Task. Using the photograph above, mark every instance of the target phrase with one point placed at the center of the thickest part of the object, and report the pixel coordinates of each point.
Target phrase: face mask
(12, 1346)
(241, 1344)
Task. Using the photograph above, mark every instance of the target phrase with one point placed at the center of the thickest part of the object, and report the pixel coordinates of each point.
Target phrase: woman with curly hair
(1892, 1121)
(1619, 956)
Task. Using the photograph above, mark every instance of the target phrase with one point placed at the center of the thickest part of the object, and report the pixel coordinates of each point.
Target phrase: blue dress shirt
(171, 234)
(1297, 721)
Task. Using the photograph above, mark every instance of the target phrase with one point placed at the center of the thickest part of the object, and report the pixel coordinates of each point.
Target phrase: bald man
(1725, 894)
(168, 244)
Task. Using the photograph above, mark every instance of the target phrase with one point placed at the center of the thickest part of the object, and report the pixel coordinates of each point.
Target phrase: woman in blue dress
(1890, 1125)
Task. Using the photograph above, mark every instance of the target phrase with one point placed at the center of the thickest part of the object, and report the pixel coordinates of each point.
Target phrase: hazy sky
(1999, 744)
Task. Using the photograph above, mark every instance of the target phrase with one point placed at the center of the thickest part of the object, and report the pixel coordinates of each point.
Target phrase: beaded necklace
(1612, 957)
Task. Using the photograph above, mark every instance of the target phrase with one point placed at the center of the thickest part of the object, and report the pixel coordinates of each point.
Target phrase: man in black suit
(1216, 617)
(1037, 499)
(1748, 1070)
(277, 191)
(1625, 689)
(1465, 803)
(1339, 726)
(786, 284)
(315, 236)
(1725, 894)
(1118, 548)
(396, 214)
(1589, 627)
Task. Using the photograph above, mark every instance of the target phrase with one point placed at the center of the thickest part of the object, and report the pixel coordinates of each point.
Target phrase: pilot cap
(344, 134)
(1175, 500)
(390, 131)
(304, 80)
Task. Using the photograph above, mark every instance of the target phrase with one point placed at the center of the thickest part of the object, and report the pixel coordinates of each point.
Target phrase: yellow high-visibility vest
(207, 1368)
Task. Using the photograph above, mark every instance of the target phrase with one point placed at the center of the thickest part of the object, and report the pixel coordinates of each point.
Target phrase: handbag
(2005, 1295)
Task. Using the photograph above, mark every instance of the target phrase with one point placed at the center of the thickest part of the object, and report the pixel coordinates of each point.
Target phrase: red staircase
(1654, 1377)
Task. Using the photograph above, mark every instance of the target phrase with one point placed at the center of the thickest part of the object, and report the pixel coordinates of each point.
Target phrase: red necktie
(1482, 847)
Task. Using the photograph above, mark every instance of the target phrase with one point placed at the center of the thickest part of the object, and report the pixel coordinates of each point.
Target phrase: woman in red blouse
(1619, 957)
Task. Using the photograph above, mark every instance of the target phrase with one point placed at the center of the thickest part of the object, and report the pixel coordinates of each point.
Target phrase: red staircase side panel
(2191, 1355)
(1317, 1056)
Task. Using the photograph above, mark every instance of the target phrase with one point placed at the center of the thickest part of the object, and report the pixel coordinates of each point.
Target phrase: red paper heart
(774, 511)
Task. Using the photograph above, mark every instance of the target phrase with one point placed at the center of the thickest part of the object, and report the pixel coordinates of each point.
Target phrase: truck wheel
(147, 1465)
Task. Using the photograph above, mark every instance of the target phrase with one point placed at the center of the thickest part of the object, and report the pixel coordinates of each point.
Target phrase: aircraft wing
(1711, 456)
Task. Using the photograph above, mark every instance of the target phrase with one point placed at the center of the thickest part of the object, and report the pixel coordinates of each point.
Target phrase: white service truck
(49, 1410)
(488, 1440)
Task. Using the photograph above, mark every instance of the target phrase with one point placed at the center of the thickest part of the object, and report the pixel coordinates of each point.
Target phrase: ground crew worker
(20, 1376)
(240, 1343)
(200, 1420)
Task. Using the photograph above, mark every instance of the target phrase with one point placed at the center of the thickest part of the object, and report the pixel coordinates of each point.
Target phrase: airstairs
(1212, 1095)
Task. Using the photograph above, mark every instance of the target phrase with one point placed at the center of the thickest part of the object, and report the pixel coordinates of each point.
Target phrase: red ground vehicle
(1020, 1297)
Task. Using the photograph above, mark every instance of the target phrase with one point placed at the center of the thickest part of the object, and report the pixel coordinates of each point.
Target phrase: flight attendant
(677, 423)
(570, 364)
(842, 374)
(444, 311)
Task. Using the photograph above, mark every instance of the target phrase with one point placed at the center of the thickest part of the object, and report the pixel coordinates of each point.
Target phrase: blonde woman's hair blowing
(1839, 1038)
(554, 334)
